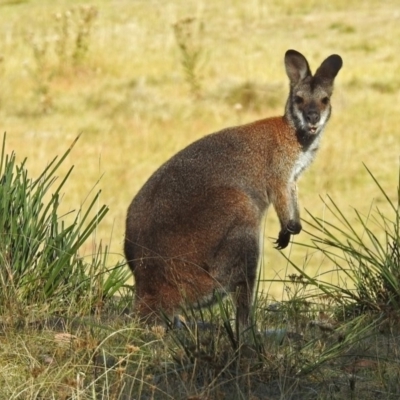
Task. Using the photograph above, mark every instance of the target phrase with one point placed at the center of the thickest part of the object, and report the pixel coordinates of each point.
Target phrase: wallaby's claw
(283, 240)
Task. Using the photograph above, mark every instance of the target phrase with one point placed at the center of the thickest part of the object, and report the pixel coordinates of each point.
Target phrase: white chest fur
(304, 159)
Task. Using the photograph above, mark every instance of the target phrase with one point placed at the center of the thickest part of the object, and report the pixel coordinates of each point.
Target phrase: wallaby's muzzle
(312, 116)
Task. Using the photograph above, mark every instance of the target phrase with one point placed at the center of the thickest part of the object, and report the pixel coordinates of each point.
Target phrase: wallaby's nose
(312, 116)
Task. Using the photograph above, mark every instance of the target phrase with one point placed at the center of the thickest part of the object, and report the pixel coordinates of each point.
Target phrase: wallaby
(193, 230)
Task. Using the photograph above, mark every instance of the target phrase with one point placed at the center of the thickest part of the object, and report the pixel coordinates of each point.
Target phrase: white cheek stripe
(299, 115)
(323, 120)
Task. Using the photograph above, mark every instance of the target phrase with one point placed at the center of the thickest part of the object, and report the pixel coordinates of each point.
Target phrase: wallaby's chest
(304, 159)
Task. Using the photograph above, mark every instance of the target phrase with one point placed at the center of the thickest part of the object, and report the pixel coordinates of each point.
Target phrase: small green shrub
(74, 29)
(187, 33)
(62, 49)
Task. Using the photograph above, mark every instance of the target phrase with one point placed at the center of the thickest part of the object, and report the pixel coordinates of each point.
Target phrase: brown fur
(193, 229)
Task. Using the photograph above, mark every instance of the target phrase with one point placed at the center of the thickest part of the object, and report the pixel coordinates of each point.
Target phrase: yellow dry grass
(129, 98)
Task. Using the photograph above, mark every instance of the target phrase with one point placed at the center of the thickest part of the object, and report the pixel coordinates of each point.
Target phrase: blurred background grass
(142, 79)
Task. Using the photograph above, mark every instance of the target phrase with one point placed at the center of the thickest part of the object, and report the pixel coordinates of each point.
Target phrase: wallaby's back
(193, 229)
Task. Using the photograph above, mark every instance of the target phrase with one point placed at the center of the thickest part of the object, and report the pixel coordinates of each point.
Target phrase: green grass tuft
(39, 247)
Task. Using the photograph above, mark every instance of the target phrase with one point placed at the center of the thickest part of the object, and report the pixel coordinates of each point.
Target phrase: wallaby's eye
(325, 100)
(298, 99)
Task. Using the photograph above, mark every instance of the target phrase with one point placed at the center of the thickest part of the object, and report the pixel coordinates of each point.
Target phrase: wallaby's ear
(297, 67)
(329, 68)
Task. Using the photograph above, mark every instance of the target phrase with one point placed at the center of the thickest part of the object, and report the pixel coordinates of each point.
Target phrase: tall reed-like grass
(368, 259)
(39, 248)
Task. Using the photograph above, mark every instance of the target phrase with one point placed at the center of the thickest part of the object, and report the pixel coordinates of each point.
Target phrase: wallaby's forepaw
(292, 228)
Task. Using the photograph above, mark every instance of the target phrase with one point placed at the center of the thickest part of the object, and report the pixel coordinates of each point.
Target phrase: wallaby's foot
(150, 313)
(292, 228)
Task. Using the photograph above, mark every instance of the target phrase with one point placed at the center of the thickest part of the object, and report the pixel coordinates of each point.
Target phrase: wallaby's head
(308, 107)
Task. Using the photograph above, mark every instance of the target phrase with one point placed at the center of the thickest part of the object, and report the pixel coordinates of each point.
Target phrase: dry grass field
(113, 72)
(138, 81)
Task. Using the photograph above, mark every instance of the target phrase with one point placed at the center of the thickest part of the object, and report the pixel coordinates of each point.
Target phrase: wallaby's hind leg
(196, 259)
(231, 270)
(237, 263)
